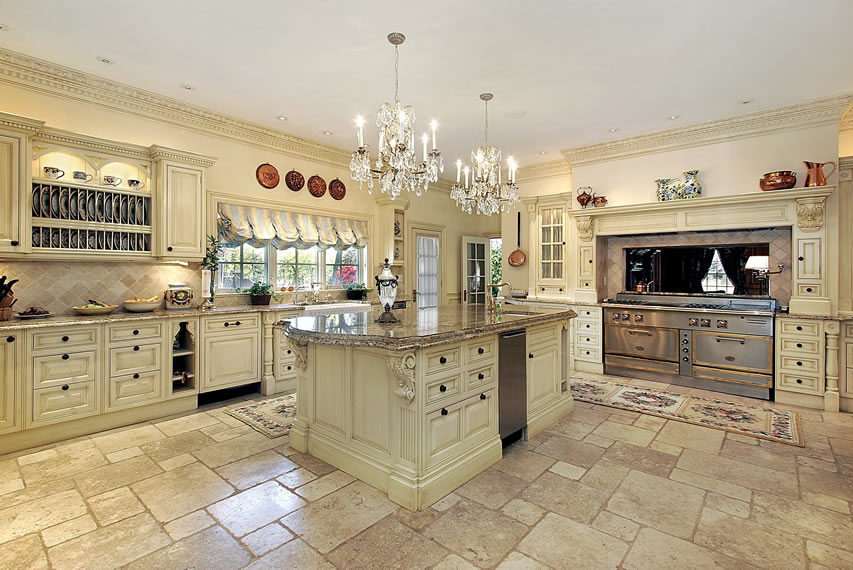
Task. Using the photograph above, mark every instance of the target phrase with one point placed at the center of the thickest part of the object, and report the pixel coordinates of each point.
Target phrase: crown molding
(20, 123)
(46, 77)
(158, 152)
(540, 170)
(825, 111)
(847, 120)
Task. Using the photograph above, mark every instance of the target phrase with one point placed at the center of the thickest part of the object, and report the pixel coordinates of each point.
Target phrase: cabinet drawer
(61, 339)
(286, 354)
(583, 326)
(799, 346)
(136, 358)
(481, 378)
(441, 359)
(287, 369)
(135, 389)
(64, 369)
(591, 339)
(544, 335)
(585, 284)
(450, 429)
(797, 327)
(134, 332)
(55, 403)
(481, 350)
(798, 363)
(442, 388)
(587, 353)
(809, 290)
(799, 383)
(231, 323)
(588, 313)
(551, 290)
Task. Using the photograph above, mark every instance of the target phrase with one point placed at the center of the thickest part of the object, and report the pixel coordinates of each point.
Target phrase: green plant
(358, 287)
(258, 288)
(210, 261)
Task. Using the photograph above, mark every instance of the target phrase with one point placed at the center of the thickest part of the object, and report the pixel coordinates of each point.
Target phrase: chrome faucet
(492, 299)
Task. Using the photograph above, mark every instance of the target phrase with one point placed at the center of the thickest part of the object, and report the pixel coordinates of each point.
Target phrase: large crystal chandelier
(396, 165)
(486, 191)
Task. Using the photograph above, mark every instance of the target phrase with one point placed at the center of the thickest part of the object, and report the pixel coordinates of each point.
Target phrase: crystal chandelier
(396, 165)
(486, 191)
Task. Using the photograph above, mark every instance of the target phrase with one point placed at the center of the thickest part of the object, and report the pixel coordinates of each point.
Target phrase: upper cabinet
(69, 196)
(548, 270)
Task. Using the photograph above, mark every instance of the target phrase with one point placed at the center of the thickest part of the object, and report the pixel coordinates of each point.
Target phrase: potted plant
(260, 292)
(357, 291)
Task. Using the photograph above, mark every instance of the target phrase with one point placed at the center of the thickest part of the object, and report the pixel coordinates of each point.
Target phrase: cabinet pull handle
(135, 376)
(14, 243)
(10, 339)
(135, 349)
(442, 360)
(726, 339)
(227, 324)
(482, 396)
(65, 357)
(135, 332)
(801, 258)
(442, 388)
(480, 350)
(443, 411)
(799, 380)
(480, 376)
(65, 386)
(238, 323)
(65, 339)
(169, 248)
(530, 355)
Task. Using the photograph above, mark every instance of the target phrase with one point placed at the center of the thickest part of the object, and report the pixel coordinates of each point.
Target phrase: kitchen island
(412, 408)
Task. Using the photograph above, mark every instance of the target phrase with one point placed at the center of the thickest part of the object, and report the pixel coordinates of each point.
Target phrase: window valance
(260, 227)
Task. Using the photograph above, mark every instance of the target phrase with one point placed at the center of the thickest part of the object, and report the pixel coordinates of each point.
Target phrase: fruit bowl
(141, 306)
(95, 309)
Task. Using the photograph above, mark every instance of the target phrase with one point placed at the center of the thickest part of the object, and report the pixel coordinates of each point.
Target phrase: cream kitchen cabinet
(548, 270)
(136, 364)
(231, 351)
(14, 177)
(800, 361)
(10, 381)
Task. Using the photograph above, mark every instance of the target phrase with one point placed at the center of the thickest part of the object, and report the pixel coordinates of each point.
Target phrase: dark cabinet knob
(801, 258)
(799, 345)
(799, 380)
(587, 353)
(480, 376)
(482, 396)
(590, 261)
(65, 357)
(10, 339)
(290, 367)
(587, 340)
(135, 349)
(65, 386)
(808, 289)
(799, 363)
(169, 248)
(289, 352)
(227, 324)
(480, 350)
(442, 360)
(587, 326)
(135, 376)
(443, 411)
(561, 289)
(65, 339)
(799, 328)
(135, 332)
(238, 323)
(14, 243)
(442, 388)
(530, 355)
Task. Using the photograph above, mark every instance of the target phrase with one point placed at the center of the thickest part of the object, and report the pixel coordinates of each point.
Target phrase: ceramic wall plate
(316, 186)
(267, 175)
(294, 180)
(337, 189)
(37, 201)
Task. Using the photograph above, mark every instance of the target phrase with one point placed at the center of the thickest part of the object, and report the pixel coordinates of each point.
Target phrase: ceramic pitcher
(668, 189)
(815, 175)
(691, 187)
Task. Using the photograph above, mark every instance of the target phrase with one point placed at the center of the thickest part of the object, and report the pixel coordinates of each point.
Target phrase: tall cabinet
(548, 269)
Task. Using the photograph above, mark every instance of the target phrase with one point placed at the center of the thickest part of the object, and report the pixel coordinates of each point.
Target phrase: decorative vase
(178, 296)
(386, 286)
(208, 289)
(668, 189)
(691, 187)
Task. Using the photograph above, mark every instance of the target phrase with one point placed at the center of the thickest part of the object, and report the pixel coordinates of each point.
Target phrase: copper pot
(780, 180)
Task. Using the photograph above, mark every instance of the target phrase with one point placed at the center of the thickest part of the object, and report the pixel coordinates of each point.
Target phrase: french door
(428, 274)
(476, 270)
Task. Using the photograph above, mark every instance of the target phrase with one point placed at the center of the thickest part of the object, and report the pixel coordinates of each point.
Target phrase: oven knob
(706, 322)
(684, 341)
(626, 316)
(685, 359)
(693, 322)
(638, 318)
(685, 350)
(722, 324)
(614, 316)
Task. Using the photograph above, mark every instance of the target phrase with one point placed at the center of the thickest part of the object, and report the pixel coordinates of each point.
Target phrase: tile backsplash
(780, 252)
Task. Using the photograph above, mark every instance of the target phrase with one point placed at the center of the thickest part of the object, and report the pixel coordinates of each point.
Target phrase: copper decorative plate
(294, 180)
(267, 175)
(316, 186)
(337, 189)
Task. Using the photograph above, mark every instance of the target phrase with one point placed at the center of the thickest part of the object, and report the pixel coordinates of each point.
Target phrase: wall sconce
(761, 265)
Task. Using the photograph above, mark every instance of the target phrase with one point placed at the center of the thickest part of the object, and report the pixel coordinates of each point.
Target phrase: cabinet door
(552, 244)
(808, 259)
(8, 381)
(183, 207)
(543, 376)
(10, 176)
(230, 360)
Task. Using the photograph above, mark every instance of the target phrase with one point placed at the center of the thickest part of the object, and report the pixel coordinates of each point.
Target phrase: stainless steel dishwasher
(512, 382)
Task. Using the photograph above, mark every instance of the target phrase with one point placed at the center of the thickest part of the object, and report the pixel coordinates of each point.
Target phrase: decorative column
(831, 399)
(304, 396)
(268, 382)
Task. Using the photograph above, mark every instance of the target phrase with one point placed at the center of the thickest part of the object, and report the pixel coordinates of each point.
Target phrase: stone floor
(602, 488)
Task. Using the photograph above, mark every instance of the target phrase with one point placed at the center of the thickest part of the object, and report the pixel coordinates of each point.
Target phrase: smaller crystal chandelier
(486, 191)
(396, 165)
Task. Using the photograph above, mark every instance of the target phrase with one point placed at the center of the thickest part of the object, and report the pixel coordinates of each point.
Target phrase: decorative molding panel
(826, 111)
(403, 368)
(810, 213)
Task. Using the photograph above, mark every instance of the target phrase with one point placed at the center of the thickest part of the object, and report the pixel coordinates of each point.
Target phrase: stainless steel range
(723, 344)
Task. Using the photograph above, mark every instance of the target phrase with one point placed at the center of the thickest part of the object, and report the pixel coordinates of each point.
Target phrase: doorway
(476, 270)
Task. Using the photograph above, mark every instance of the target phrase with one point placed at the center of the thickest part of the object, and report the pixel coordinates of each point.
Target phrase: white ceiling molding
(847, 120)
(541, 170)
(825, 111)
(47, 77)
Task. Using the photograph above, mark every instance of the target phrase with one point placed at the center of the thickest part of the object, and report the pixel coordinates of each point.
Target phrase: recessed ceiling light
(104, 60)
(543, 152)
(673, 117)
(515, 114)
(328, 133)
(187, 86)
(281, 118)
(612, 130)
(747, 101)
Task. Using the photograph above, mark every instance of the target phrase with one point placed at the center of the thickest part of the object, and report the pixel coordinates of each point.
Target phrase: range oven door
(641, 342)
(742, 353)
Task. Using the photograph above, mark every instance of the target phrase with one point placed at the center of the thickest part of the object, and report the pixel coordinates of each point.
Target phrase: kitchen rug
(755, 421)
(272, 417)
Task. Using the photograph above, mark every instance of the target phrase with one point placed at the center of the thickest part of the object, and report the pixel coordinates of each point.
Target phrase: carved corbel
(404, 368)
(810, 213)
(586, 228)
(300, 353)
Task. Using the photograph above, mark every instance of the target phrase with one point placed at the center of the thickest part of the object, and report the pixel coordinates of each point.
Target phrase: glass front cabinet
(551, 250)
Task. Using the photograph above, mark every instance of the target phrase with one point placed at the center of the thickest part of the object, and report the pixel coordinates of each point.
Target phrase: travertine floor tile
(626, 433)
(730, 436)
(62, 466)
(74, 446)
(114, 506)
(254, 508)
(657, 502)
(128, 453)
(691, 436)
(37, 491)
(189, 524)
(653, 423)
(828, 556)
(711, 484)
(267, 538)
(665, 447)
(180, 491)
(211, 548)
(31, 458)
(317, 466)
(445, 503)
(518, 561)
(177, 461)
(817, 463)
(170, 447)
(522, 511)
(490, 488)
(220, 454)
(11, 486)
(418, 519)
(588, 415)
(256, 469)
(116, 475)
(727, 505)
(388, 544)
(571, 429)
(110, 546)
(295, 554)
(9, 469)
(521, 463)
(296, 478)
(605, 476)
(567, 470)
(454, 562)
(739, 473)
(186, 424)
(40, 514)
(564, 543)
(566, 497)
(803, 519)
(129, 438)
(336, 518)
(654, 549)
(818, 481)
(617, 526)
(68, 530)
(23, 554)
(324, 485)
(571, 451)
(598, 441)
(479, 535)
(759, 456)
(826, 502)
(231, 433)
(640, 458)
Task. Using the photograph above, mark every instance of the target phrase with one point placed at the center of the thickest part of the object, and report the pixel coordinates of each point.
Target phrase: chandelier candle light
(396, 165)
(486, 190)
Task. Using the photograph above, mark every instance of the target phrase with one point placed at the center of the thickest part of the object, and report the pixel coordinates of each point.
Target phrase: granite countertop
(418, 328)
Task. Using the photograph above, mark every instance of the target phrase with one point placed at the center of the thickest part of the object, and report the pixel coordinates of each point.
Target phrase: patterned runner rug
(272, 417)
(755, 421)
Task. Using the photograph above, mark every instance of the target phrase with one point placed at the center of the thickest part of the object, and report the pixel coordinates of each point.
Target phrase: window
(716, 281)
(299, 268)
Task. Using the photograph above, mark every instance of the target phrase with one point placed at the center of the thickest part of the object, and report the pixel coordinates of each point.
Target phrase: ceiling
(573, 68)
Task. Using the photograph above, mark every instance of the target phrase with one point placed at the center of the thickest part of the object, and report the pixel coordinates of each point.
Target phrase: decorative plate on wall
(337, 189)
(294, 180)
(267, 175)
(316, 186)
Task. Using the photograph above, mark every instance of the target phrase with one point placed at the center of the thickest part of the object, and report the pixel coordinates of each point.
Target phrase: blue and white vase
(668, 189)
(691, 187)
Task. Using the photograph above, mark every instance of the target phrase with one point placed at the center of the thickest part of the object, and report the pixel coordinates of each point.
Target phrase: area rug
(754, 421)
(273, 417)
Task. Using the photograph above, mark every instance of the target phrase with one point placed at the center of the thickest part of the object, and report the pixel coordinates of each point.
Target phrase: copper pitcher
(815, 175)
(584, 197)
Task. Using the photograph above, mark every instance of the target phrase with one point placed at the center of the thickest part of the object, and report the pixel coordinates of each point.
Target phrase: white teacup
(135, 184)
(53, 173)
(112, 180)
